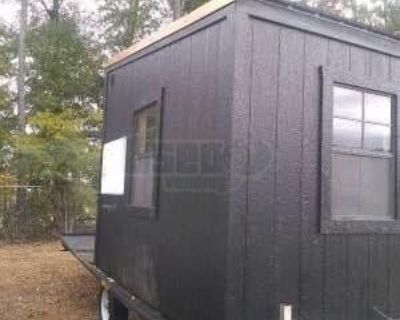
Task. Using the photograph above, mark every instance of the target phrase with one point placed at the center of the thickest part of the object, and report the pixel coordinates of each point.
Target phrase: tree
(8, 126)
(387, 14)
(344, 8)
(54, 9)
(60, 164)
(17, 220)
(125, 21)
(381, 14)
(56, 158)
(6, 55)
(190, 5)
(65, 68)
(180, 7)
(7, 117)
(177, 8)
(21, 63)
(61, 153)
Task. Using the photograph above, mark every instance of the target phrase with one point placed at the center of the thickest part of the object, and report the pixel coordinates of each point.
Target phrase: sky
(9, 9)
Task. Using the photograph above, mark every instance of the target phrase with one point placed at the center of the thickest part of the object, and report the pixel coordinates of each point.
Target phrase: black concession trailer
(250, 169)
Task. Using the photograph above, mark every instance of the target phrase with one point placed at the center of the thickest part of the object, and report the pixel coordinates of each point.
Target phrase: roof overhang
(383, 41)
(171, 28)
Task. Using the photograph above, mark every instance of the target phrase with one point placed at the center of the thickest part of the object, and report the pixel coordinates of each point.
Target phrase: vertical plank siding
(312, 244)
(336, 249)
(288, 164)
(378, 266)
(288, 260)
(250, 88)
(238, 166)
(357, 299)
(148, 256)
(263, 131)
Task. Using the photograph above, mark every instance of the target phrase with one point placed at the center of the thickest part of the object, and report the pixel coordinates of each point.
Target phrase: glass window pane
(362, 187)
(377, 137)
(347, 103)
(147, 130)
(378, 108)
(143, 182)
(152, 129)
(346, 133)
(147, 134)
(140, 133)
(345, 197)
(377, 188)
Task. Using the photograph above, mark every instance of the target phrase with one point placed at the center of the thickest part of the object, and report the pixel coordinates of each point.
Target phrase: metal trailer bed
(82, 247)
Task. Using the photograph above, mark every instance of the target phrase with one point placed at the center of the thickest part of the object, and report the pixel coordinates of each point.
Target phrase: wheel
(110, 308)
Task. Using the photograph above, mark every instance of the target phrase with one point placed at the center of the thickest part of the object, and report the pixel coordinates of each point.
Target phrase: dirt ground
(40, 281)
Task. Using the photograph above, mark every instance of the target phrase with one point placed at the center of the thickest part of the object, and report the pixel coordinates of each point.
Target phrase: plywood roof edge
(173, 27)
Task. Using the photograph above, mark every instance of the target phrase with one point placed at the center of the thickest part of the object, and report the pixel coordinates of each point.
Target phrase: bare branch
(44, 5)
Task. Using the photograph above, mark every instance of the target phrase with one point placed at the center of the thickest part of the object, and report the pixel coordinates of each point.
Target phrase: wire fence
(38, 213)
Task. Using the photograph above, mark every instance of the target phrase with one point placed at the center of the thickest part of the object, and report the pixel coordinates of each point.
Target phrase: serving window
(359, 180)
(145, 153)
(362, 176)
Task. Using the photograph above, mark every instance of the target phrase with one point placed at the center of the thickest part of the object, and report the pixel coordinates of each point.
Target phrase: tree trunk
(134, 8)
(53, 11)
(56, 10)
(21, 64)
(176, 6)
(18, 221)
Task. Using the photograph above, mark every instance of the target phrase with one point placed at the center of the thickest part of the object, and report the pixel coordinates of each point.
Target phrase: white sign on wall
(113, 170)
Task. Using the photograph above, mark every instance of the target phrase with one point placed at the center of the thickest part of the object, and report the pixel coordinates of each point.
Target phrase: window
(145, 157)
(362, 181)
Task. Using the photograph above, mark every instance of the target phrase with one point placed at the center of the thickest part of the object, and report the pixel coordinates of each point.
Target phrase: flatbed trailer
(82, 247)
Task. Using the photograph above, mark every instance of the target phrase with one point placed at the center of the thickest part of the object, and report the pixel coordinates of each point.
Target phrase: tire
(110, 308)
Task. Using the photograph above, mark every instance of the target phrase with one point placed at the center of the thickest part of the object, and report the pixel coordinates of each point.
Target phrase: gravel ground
(40, 281)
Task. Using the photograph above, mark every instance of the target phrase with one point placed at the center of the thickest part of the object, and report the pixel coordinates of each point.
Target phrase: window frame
(133, 210)
(330, 225)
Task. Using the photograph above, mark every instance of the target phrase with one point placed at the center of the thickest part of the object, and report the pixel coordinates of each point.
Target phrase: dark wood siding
(176, 261)
(288, 260)
(336, 271)
(248, 82)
